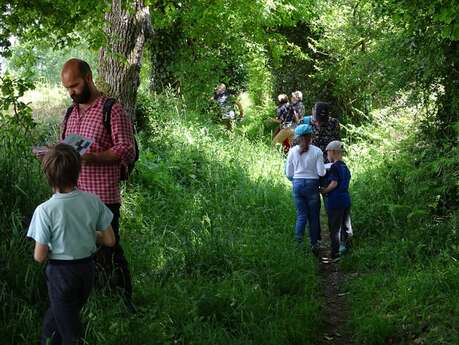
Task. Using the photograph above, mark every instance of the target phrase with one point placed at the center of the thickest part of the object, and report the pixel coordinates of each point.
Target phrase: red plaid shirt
(103, 179)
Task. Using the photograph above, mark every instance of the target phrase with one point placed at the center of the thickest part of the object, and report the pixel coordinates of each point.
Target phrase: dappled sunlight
(48, 102)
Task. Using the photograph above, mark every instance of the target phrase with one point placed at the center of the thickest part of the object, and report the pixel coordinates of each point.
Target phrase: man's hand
(88, 158)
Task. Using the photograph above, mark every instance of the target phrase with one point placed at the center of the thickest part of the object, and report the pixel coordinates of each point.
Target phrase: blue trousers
(69, 285)
(307, 203)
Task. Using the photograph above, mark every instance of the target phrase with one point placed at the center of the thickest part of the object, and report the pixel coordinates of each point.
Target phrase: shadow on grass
(211, 247)
(404, 258)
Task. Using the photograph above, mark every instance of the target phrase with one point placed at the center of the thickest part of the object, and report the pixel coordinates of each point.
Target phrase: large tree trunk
(120, 60)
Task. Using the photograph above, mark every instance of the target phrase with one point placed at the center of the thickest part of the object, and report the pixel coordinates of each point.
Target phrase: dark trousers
(69, 285)
(111, 264)
(339, 223)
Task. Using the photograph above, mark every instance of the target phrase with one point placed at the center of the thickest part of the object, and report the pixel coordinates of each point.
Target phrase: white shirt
(309, 165)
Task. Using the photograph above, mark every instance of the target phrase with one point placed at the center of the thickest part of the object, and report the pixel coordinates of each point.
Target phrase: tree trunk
(120, 61)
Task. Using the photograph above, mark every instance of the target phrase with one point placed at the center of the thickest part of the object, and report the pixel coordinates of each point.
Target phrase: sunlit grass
(48, 102)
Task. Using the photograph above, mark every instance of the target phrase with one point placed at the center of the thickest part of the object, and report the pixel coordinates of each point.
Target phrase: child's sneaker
(330, 260)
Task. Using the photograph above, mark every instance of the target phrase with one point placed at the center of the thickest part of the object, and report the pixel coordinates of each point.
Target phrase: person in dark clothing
(287, 123)
(338, 201)
(325, 128)
(298, 106)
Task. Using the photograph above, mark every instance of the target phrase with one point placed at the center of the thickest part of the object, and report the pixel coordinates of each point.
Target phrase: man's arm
(122, 135)
(40, 253)
(123, 141)
(104, 157)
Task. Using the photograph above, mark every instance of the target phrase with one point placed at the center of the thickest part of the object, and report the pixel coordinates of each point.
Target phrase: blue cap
(303, 130)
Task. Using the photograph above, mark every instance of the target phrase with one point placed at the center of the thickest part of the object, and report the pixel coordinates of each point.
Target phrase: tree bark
(120, 60)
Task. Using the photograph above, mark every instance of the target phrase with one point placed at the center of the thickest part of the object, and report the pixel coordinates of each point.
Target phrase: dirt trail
(336, 310)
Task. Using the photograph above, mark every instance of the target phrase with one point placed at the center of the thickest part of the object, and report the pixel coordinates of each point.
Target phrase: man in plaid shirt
(101, 165)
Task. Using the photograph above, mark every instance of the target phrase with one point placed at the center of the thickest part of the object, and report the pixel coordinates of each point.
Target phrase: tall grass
(405, 213)
(207, 228)
(21, 189)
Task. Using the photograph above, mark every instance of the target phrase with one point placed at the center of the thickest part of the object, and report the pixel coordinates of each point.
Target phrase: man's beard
(85, 95)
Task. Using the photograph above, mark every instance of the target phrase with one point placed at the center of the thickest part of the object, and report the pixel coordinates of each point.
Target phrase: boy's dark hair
(62, 165)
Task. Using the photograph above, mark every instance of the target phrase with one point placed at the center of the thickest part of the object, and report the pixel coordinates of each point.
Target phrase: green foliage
(21, 189)
(213, 216)
(42, 63)
(206, 227)
(229, 42)
(405, 250)
(55, 22)
(208, 217)
(373, 51)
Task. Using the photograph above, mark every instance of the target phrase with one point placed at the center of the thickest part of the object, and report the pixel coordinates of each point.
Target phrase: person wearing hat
(338, 201)
(305, 164)
(325, 128)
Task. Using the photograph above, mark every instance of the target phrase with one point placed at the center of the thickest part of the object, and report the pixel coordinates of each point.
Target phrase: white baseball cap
(335, 145)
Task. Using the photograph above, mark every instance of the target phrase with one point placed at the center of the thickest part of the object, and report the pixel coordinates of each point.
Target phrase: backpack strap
(107, 113)
(66, 119)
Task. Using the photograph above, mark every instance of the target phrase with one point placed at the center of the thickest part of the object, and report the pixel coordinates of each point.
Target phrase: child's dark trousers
(339, 220)
(69, 285)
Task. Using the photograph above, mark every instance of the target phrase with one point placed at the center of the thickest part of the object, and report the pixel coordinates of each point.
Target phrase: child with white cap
(338, 201)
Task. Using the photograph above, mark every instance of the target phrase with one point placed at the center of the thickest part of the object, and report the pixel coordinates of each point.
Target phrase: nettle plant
(15, 115)
(17, 135)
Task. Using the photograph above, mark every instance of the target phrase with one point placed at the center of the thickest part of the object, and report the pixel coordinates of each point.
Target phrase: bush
(405, 218)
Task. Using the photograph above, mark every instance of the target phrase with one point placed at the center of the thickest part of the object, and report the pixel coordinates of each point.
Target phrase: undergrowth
(405, 215)
(207, 229)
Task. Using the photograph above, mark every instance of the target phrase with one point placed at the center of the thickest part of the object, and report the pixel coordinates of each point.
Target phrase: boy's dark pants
(69, 284)
(338, 225)
(112, 265)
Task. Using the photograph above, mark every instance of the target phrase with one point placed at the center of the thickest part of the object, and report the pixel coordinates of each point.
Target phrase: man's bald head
(76, 77)
(77, 67)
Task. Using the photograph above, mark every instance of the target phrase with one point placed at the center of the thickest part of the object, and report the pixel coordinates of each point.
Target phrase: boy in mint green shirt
(65, 229)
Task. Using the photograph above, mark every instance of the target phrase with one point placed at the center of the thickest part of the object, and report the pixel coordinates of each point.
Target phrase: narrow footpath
(336, 310)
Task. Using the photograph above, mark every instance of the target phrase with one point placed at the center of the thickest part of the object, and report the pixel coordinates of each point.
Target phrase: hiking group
(76, 231)
(311, 141)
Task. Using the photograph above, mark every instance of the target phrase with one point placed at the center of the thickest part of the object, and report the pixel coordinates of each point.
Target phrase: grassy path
(335, 311)
(207, 228)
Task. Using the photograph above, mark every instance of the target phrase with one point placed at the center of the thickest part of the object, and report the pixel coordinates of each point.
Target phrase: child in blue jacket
(338, 201)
